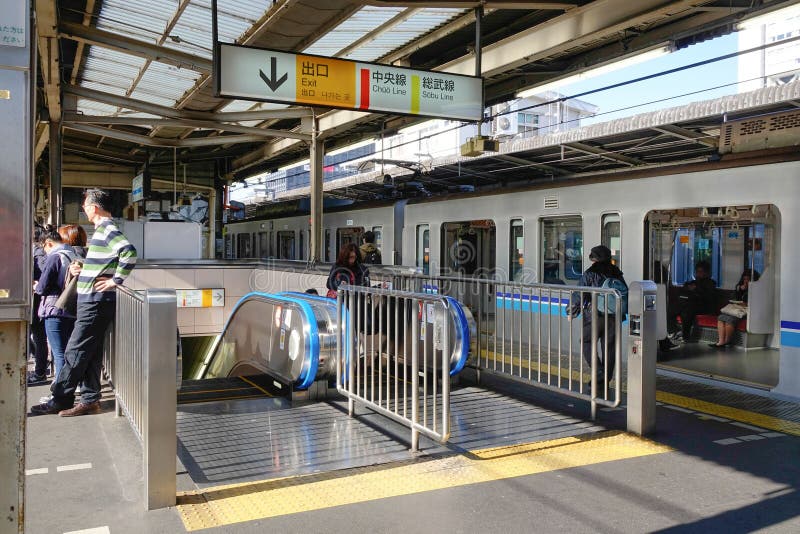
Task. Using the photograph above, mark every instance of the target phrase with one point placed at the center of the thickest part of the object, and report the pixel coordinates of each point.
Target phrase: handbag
(736, 310)
(68, 299)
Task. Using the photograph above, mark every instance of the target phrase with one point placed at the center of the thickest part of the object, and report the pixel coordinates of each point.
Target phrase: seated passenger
(696, 297)
(726, 324)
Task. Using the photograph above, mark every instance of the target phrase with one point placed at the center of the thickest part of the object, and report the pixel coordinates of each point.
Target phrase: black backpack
(373, 257)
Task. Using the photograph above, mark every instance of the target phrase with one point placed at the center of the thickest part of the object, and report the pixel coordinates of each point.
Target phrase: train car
(657, 225)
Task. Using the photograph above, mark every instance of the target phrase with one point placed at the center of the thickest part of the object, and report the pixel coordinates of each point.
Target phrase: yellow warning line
(737, 414)
(237, 503)
(200, 391)
(259, 388)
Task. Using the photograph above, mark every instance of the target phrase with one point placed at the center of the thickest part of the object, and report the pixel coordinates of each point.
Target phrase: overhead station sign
(269, 75)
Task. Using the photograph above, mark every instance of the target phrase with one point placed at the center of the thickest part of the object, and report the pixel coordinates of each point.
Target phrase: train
(658, 223)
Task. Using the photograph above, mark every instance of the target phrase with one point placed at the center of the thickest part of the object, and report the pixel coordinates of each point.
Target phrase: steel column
(56, 193)
(317, 155)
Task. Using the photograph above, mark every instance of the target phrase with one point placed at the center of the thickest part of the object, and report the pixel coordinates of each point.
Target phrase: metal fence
(140, 361)
(543, 334)
(394, 353)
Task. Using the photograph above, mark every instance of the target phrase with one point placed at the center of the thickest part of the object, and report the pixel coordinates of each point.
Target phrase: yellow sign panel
(684, 239)
(326, 81)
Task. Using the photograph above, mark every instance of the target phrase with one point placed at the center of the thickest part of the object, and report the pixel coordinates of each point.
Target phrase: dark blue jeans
(58, 331)
(83, 357)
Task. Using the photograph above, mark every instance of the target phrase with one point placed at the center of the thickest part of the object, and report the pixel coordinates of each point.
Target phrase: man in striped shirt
(108, 262)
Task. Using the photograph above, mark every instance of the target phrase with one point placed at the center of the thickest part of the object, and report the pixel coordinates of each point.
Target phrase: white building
(772, 66)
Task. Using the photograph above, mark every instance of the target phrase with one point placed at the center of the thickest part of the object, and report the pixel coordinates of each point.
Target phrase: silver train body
(658, 226)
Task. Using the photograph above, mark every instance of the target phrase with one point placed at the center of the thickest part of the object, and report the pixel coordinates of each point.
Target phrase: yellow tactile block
(250, 501)
(737, 414)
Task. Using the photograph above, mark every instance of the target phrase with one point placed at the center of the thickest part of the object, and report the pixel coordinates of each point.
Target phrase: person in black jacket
(597, 273)
(696, 297)
(369, 252)
(37, 342)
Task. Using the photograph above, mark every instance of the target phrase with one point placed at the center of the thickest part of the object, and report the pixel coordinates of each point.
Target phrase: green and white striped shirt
(110, 255)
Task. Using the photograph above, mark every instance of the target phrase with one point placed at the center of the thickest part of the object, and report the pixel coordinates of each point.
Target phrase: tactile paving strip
(236, 503)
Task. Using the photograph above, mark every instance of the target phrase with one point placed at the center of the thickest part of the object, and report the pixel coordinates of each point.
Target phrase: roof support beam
(595, 151)
(126, 45)
(46, 29)
(689, 135)
(156, 141)
(582, 25)
(78, 61)
(74, 118)
(383, 28)
(451, 27)
(527, 163)
(164, 111)
(491, 4)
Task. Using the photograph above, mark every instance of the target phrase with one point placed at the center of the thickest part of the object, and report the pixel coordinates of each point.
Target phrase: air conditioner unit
(505, 124)
(760, 133)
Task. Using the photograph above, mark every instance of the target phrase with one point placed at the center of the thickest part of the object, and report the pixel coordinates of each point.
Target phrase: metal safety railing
(140, 361)
(394, 354)
(532, 333)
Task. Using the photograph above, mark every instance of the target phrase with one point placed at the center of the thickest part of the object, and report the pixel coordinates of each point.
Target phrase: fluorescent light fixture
(775, 16)
(599, 70)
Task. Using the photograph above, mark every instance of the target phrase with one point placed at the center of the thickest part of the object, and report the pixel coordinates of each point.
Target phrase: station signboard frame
(265, 75)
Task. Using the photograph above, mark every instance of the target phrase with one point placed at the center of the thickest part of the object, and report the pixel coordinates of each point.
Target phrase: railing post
(414, 374)
(159, 431)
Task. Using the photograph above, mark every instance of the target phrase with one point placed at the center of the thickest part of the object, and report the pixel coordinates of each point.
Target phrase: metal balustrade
(140, 362)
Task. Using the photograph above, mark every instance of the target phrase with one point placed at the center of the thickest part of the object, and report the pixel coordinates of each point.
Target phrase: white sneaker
(45, 399)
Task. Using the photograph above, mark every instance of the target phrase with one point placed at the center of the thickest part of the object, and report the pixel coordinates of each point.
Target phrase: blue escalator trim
(462, 327)
(309, 369)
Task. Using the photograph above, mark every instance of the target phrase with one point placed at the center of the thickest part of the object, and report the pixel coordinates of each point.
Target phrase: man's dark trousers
(83, 358)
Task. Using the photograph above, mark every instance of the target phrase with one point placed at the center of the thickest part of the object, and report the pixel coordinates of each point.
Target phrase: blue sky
(672, 85)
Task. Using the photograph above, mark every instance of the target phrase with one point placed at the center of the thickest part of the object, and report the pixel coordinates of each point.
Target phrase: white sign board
(269, 75)
(200, 298)
(12, 22)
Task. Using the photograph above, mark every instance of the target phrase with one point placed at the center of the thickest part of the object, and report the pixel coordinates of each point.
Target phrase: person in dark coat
(347, 269)
(597, 273)
(696, 297)
(369, 252)
(37, 341)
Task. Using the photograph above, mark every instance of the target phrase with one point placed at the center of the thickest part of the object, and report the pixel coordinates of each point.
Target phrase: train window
(328, 245)
(301, 251)
(228, 246)
(424, 248)
(468, 247)
(286, 245)
(562, 250)
(516, 248)
(378, 231)
(263, 245)
(611, 235)
(347, 235)
(243, 246)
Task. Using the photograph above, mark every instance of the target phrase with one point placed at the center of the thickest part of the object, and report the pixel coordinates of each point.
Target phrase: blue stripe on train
(535, 307)
(792, 325)
(790, 338)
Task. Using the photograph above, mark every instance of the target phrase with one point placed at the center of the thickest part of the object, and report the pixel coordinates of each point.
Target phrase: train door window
(562, 250)
(286, 245)
(611, 235)
(228, 243)
(328, 245)
(263, 245)
(301, 251)
(243, 246)
(424, 248)
(347, 235)
(516, 259)
(468, 247)
(378, 231)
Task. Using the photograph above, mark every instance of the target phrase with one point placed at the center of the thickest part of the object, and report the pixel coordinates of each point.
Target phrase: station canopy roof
(131, 80)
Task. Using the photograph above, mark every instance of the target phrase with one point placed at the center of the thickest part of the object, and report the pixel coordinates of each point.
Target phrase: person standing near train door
(110, 259)
(601, 273)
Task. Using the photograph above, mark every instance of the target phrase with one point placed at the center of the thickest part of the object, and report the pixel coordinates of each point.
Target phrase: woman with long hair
(348, 269)
(726, 324)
